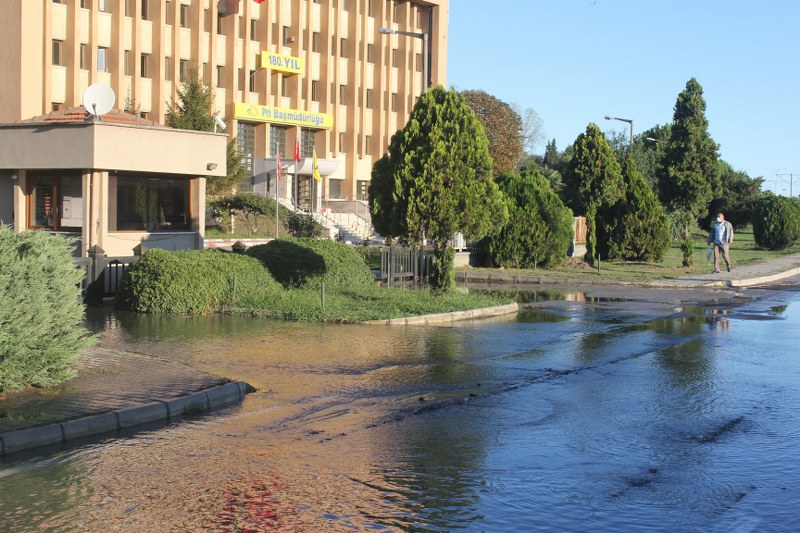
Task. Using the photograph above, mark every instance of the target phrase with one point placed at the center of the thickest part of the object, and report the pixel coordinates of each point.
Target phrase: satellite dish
(98, 99)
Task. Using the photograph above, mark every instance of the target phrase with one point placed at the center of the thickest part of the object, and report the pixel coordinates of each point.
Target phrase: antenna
(98, 99)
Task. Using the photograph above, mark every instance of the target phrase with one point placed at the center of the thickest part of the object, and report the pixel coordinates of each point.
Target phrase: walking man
(722, 236)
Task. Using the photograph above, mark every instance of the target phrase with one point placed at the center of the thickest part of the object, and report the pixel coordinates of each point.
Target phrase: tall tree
(551, 155)
(436, 180)
(593, 180)
(503, 128)
(532, 128)
(689, 175)
(192, 111)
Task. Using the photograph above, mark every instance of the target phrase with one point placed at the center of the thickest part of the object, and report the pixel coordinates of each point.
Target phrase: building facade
(335, 78)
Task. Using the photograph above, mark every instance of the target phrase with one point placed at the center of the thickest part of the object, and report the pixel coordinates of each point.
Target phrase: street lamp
(654, 140)
(425, 45)
(628, 120)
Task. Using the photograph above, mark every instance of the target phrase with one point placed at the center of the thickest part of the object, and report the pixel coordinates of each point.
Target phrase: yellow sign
(281, 63)
(281, 115)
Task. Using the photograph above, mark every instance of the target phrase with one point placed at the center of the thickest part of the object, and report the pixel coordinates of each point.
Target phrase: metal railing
(103, 275)
(405, 266)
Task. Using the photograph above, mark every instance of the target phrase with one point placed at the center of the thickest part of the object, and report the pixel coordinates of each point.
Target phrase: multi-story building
(336, 77)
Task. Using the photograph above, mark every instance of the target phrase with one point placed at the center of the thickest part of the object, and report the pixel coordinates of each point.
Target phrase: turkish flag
(297, 148)
(259, 1)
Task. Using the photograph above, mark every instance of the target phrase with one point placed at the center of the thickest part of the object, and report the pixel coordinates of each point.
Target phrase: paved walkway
(111, 380)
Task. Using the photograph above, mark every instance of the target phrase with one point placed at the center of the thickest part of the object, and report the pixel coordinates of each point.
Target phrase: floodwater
(579, 414)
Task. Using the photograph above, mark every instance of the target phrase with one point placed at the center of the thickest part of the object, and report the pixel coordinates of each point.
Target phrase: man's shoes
(715, 272)
(729, 268)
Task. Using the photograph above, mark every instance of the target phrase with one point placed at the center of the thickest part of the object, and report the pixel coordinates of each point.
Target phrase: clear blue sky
(574, 61)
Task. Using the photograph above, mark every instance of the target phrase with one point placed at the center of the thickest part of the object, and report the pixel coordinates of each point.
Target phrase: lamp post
(654, 140)
(425, 45)
(628, 120)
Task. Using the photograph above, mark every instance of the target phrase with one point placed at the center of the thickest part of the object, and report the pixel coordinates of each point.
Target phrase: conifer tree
(437, 180)
(593, 180)
(689, 175)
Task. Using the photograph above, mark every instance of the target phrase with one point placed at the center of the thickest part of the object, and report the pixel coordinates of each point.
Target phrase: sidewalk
(744, 276)
(113, 390)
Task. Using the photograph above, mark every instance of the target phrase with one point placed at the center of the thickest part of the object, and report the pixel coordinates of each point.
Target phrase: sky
(575, 61)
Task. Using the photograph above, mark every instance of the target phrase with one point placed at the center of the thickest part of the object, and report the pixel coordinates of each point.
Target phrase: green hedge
(41, 316)
(776, 222)
(309, 262)
(191, 281)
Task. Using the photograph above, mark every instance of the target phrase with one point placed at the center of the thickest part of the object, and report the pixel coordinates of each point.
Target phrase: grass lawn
(743, 252)
(373, 303)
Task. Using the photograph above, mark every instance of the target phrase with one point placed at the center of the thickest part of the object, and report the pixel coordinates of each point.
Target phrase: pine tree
(689, 175)
(437, 180)
(539, 228)
(636, 228)
(593, 180)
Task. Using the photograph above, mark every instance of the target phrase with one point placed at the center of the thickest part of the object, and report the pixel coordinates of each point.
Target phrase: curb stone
(483, 312)
(61, 432)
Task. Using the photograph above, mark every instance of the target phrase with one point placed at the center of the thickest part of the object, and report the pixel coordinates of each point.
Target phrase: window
(370, 8)
(395, 14)
(253, 30)
(127, 67)
(145, 9)
(334, 189)
(148, 203)
(362, 186)
(220, 25)
(145, 65)
(314, 91)
(394, 102)
(84, 4)
(342, 94)
(102, 60)
(183, 68)
(315, 41)
(55, 106)
(245, 143)
(55, 201)
(343, 47)
(419, 62)
(341, 141)
(184, 14)
(220, 72)
(287, 38)
(104, 6)
(367, 142)
(168, 13)
(252, 81)
(168, 74)
(277, 140)
(369, 99)
(395, 56)
(84, 59)
(370, 53)
(130, 8)
(58, 52)
(307, 142)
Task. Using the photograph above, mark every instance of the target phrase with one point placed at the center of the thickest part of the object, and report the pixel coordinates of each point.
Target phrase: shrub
(41, 331)
(309, 262)
(249, 205)
(539, 229)
(190, 282)
(635, 229)
(301, 226)
(776, 222)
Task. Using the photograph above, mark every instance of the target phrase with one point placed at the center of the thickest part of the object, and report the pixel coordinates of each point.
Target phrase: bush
(635, 229)
(776, 222)
(41, 331)
(248, 205)
(304, 226)
(539, 229)
(309, 262)
(190, 282)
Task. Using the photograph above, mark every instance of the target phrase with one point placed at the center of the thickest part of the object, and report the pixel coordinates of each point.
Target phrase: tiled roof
(78, 115)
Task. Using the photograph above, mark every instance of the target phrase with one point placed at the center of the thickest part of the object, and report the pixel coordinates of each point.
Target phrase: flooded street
(580, 413)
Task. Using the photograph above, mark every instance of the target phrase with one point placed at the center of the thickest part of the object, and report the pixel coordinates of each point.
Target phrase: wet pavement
(590, 410)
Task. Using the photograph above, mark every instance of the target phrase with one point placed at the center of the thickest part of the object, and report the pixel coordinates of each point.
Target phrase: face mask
(719, 219)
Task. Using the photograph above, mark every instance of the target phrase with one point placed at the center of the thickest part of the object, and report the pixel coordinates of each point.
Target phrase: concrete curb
(61, 432)
(482, 312)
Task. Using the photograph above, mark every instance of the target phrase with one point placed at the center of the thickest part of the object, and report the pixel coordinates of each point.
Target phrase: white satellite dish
(98, 99)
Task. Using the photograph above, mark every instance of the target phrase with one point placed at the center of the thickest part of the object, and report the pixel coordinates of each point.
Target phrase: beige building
(324, 74)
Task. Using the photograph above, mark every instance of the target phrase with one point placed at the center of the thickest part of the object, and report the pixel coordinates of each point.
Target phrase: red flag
(297, 148)
(259, 1)
(279, 166)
